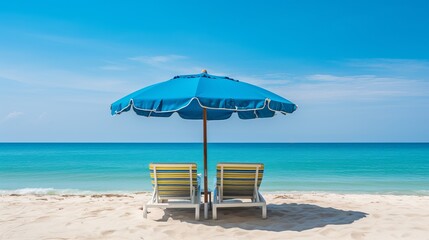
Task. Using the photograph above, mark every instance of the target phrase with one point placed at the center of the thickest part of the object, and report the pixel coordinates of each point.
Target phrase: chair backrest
(174, 180)
(239, 180)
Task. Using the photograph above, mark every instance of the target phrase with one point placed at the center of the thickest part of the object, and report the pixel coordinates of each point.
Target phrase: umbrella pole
(206, 210)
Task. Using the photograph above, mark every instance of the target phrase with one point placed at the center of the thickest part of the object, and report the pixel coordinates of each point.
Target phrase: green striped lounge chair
(236, 183)
(175, 185)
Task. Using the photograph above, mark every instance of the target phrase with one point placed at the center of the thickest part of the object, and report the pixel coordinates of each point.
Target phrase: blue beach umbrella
(203, 97)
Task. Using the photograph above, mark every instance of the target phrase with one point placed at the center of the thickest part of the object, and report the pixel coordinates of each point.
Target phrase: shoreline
(56, 192)
(297, 215)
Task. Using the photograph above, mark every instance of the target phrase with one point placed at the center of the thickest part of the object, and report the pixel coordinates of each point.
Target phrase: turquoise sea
(394, 168)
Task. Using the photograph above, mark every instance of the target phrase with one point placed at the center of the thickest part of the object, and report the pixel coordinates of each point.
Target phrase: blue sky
(358, 70)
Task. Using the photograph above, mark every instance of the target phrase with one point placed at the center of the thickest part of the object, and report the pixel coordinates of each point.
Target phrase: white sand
(297, 216)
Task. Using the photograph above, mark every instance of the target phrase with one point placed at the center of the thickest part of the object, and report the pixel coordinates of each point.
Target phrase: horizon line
(90, 142)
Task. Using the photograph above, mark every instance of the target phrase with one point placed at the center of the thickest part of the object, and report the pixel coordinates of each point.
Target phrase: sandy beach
(298, 216)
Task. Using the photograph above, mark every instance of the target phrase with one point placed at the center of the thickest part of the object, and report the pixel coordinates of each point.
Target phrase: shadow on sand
(281, 217)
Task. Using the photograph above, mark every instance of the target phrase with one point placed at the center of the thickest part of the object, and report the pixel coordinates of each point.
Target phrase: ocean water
(393, 168)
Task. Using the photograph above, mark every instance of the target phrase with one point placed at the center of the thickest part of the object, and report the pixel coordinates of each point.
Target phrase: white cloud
(132, 78)
(57, 78)
(60, 39)
(42, 116)
(334, 88)
(352, 78)
(114, 68)
(71, 40)
(389, 65)
(167, 65)
(265, 80)
(389, 79)
(326, 87)
(13, 115)
(152, 60)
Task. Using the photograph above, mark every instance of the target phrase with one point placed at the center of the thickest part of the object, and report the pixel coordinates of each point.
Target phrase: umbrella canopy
(207, 97)
(188, 95)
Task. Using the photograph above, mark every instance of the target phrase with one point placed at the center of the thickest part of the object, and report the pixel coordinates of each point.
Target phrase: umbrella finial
(203, 71)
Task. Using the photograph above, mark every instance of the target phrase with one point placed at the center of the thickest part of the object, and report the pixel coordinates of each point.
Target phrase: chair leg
(144, 211)
(197, 213)
(214, 212)
(264, 211)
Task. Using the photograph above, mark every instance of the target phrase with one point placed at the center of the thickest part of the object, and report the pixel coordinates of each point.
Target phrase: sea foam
(42, 191)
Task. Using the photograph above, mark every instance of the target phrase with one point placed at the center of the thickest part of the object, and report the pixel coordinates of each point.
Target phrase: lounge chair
(236, 182)
(175, 185)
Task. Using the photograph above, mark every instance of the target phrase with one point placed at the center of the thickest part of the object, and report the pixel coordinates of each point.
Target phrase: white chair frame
(257, 200)
(193, 201)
